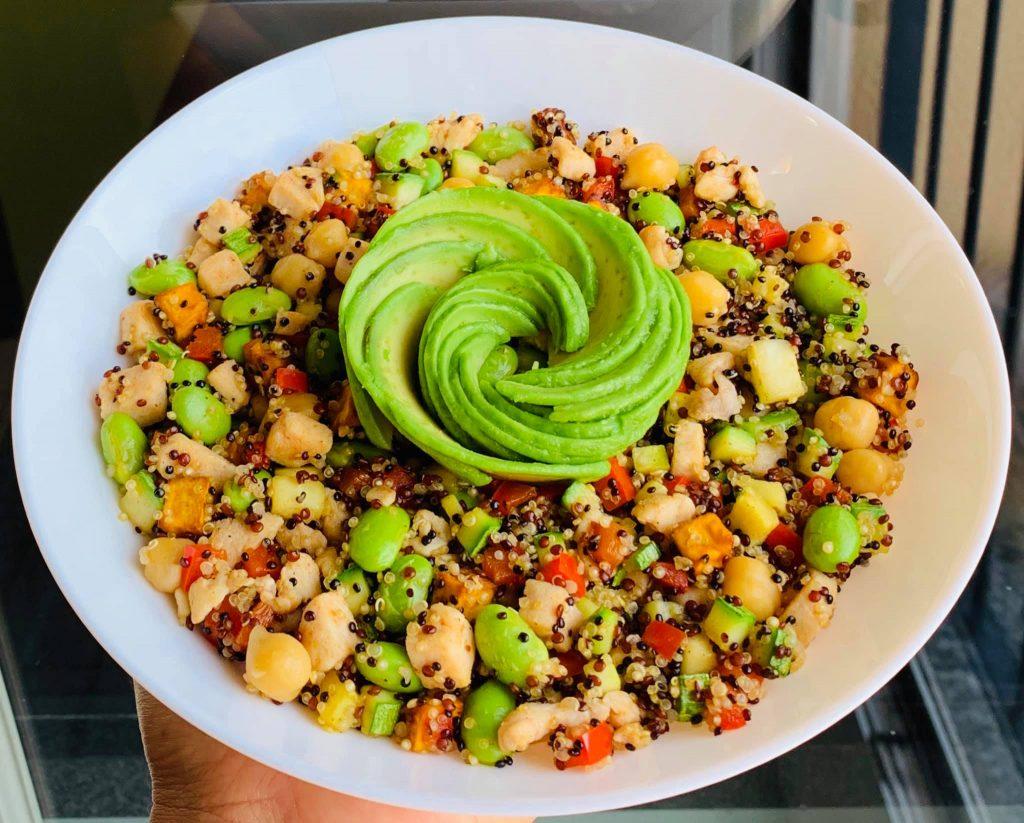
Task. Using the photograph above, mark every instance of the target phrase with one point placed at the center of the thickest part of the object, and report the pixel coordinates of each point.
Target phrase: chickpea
(161, 565)
(457, 183)
(325, 241)
(709, 299)
(296, 271)
(847, 422)
(866, 471)
(817, 242)
(276, 665)
(650, 166)
(751, 581)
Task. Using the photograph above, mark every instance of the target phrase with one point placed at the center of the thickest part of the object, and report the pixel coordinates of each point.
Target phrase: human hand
(199, 780)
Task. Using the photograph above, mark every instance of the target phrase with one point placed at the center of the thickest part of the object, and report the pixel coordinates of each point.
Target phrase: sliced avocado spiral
(430, 313)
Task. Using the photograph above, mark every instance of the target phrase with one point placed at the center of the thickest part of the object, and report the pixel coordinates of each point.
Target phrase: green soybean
(508, 645)
(377, 537)
(254, 305)
(405, 584)
(432, 174)
(234, 343)
(400, 145)
(150, 280)
(719, 258)
(200, 415)
(167, 350)
(652, 208)
(323, 355)
(823, 290)
(387, 665)
(831, 537)
(355, 587)
(344, 452)
(486, 707)
(500, 142)
(239, 497)
(123, 444)
(188, 372)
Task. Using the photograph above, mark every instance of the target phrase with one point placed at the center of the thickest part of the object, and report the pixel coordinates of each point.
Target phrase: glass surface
(933, 83)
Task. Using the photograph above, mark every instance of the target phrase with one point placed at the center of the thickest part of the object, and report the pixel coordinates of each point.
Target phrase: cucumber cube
(732, 445)
(688, 704)
(775, 371)
(728, 625)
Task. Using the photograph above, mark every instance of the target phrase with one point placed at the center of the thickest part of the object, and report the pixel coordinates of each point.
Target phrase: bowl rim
(615, 796)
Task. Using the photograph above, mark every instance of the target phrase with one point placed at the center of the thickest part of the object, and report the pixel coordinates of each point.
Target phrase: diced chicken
(705, 370)
(717, 397)
(572, 162)
(139, 391)
(221, 217)
(205, 594)
(228, 380)
(519, 164)
(617, 143)
(354, 249)
(442, 654)
(327, 630)
(664, 512)
(530, 722)
(751, 187)
(334, 518)
(295, 440)
(621, 707)
(200, 251)
(222, 273)
(138, 325)
(714, 177)
(809, 616)
(551, 612)
(298, 192)
(299, 582)
(688, 450)
(666, 249)
(429, 535)
(202, 461)
(767, 457)
(302, 538)
(735, 344)
(334, 156)
(547, 124)
(455, 131)
(233, 537)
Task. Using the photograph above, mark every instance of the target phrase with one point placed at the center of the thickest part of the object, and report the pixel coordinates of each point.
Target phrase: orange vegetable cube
(184, 307)
(185, 505)
(705, 540)
(467, 591)
(893, 388)
(432, 724)
(536, 184)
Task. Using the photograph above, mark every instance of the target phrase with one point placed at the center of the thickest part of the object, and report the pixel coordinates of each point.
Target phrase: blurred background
(935, 85)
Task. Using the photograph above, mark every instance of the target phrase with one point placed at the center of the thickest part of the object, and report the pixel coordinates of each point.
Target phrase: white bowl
(925, 295)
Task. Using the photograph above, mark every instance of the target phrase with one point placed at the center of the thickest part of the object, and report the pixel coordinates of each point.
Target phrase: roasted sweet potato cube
(892, 388)
(185, 505)
(184, 307)
(467, 591)
(432, 724)
(705, 540)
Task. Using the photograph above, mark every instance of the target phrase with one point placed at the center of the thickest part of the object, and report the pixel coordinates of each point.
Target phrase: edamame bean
(323, 354)
(150, 280)
(500, 142)
(823, 290)
(234, 343)
(356, 589)
(486, 707)
(123, 444)
(377, 537)
(188, 372)
(831, 537)
(652, 208)
(508, 645)
(387, 665)
(239, 497)
(405, 584)
(253, 305)
(167, 350)
(432, 174)
(401, 144)
(344, 452)
(200, 415)
(719, 258)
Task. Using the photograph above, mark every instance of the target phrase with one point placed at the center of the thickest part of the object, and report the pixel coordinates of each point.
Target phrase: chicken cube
(295, 440)
(222, 273)
(228, 380)
(442, 655)
(298, 192)
(299, 583)
(326, 630)
(168, 451)
(139, 391)
(454, 132)
(233, 537)
(221, 217)
(551, 612)
(572, 162)
(138, 325)
(351, 253)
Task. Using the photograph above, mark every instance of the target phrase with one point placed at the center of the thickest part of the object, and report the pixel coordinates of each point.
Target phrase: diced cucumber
(869, 519)
(588, 608)
(546, 543)
(140, 502)
(452, 507)
(399, 190)
(344, 452)
(753, 516)
(355, 587)
(601, 676)
(773, 425)
(727, 625)
(470, 166)
(650, 459)
(773, 493)
(598, 634)
(243, 243)
(168, 351)
(811, 447)
(581, 495)
(774, 371)
(663, 610)
(477, 526)
(381, 710)
(239, 497)
(771, 649)
(732, 444)
(688, 704)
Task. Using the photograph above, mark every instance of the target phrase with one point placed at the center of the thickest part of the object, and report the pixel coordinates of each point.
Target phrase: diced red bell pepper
(573, 661)
(688, 203)
(291, 380)
(611, 548)
(498, 564)
(552, 490)
(595, 745)
(785, 546)
(259, 561)
(192, 558)
(255, 453)
(606, 166)
(721, 226)
(686, 384)
(664, 638)
(228, 625)
(817, 489)
(206, 341)
(563, 570)
(665, 575)
(509, 494)
(615, 489)
(732, 718)
(346, 214)
(769, 235)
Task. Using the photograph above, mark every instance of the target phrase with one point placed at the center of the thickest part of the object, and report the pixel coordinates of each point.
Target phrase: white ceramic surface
(924, 295)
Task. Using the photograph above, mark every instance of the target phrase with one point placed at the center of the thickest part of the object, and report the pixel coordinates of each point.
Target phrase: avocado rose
(440, 316)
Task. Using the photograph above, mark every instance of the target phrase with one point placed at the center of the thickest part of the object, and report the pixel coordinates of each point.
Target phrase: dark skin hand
(198, 780)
